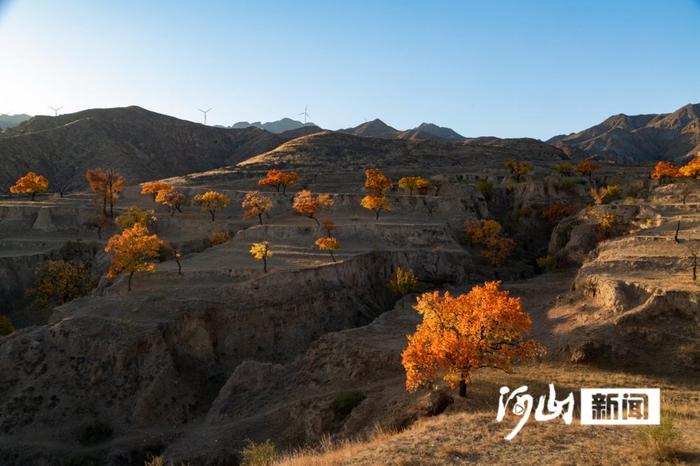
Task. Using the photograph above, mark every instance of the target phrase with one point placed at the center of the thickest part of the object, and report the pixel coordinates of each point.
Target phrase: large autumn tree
(256, 204)
(134, 250)
(279, 179)
(307, 204)
(212, 201)
(461, 334)
(31, 184)
(108, 184)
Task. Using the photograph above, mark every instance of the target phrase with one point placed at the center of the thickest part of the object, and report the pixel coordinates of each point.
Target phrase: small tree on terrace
(212, 201)
(587, 168)
(330, 227)
(403, 282)
(108, 184)
(255, 205)
(664, 171)
(154, 187)
(461, 334)
(134, 250)
(378, 186)
(261, 252)
(376, 204)
(173, 200)
(564, 168)
(279, 179)
(31, 184)
(328, 243)
(307, 204)
(413, 183)
(518, 169)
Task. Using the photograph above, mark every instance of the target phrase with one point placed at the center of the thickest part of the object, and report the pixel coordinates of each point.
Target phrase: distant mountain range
(279, 126)
(378, 129)
(10, 121)
(638, 138)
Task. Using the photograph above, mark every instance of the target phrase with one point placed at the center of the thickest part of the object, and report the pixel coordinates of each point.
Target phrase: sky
(507, 68)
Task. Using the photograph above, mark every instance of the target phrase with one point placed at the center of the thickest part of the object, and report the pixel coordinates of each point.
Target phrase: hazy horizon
(504, 69)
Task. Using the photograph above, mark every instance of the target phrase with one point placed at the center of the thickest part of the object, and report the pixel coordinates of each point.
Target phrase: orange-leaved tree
(134, 250)
(31, 184)
(587, 168)
(460, 334)
(172, 199)
(154, 187)
(255, 205)
(692, 168)
(307, 204)
(328, 243)
(108, 184)
(517, 169)
(212, 201)
(279, 179)
(378, 186)
(261, 252)
(375, 203)
(495, 247)
(413, 183)
(663, 171)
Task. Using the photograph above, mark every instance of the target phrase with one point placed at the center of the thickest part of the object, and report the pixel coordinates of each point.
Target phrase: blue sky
(503, 68)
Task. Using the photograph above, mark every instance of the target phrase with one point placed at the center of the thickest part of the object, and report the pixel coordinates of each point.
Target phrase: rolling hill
(141, 144)
(638, 138)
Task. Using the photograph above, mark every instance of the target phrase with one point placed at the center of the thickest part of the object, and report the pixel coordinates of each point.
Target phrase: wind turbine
(55, 110)
(204, 112)
(305, 113)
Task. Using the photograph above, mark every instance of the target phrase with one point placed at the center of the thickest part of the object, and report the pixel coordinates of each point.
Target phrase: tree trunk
(179, 265)
(265, 264)
(332, 256)
(284, 189)
(104, 205)
(462, 389)
(212, 213)
(260, 218)
(678, 227)
(33, 195)
(376, 217)
(131, 274)
(695, 268)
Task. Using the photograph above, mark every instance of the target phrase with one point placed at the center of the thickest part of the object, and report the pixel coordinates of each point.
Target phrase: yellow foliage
(218, 237)
(212, 201)
(134, 250)
(375, 203)
(328, 243)
(171, 198)
(403, 281)
(518, 169)
(134, 215)
(261, 251)
(58, 282)
(487, 233)
(376, 182)
(31, 183)
(412, 183)
(460, 334)
(692, 168)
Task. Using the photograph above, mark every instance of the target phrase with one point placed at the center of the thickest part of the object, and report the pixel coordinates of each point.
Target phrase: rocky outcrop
(143, 361)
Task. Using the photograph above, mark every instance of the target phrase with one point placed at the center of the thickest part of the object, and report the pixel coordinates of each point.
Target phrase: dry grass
(469, 433)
